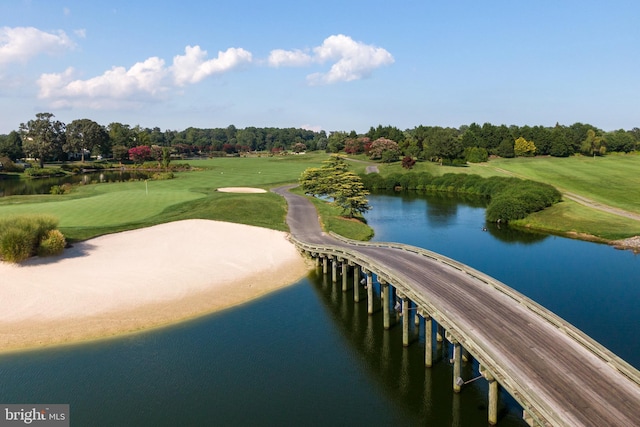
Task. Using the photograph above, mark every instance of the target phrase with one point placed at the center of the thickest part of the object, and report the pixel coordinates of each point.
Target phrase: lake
(307, 355)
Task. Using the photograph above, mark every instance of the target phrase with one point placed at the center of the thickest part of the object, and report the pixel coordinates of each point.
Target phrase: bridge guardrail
(521, 392)
(576, 334)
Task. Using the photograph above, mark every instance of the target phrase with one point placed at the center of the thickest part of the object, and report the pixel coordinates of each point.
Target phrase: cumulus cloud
(144, 81)
(289, 58)
(192, 66)
(351, 60)
(19, 44)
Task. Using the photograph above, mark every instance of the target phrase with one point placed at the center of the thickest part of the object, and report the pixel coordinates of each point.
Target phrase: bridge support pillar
(440, 333)
(428, 341)
(406, 318)
(386, 298)
(493, 396)
(493, 402)
(356, 283)
(325, 265)
(369, 292)
(457, 366)
(334, 270)
(345, 266)
(317, 263)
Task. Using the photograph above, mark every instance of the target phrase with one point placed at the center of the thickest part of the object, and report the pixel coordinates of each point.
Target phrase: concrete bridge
(559, 375)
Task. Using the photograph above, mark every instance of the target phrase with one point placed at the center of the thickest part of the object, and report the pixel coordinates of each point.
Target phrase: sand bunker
(140, 279)
(241, 190)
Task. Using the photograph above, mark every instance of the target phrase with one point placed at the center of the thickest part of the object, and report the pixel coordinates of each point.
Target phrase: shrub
(43, 172)
(16, 245)
(21, 236)
(6, 165)
(60, 189)
(52, 244)
(159, 176)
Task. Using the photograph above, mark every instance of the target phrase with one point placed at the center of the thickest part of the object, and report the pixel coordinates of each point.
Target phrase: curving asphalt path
(544, 363)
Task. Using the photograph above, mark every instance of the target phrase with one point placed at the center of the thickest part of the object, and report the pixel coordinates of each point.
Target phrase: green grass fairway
(613, 180)
(96, 209)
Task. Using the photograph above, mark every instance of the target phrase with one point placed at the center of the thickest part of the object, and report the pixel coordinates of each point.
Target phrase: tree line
(47, 139)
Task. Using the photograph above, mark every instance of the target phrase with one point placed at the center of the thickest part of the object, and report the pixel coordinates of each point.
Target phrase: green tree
(121, 134)
(620, 141)
(334, 180)
(444, 144)
(593, 144)
(560, 143)
(85, 134)
(42, 137)
(336, 141)
(522, 147)
(11, 146)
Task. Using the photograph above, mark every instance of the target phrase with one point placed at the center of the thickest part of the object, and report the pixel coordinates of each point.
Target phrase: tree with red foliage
(408, 162)
(140, 153)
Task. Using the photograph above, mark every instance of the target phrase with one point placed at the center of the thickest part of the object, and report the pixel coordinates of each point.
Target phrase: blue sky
(332, 65)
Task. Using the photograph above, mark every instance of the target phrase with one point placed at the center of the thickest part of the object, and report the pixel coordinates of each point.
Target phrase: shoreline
(96, 290)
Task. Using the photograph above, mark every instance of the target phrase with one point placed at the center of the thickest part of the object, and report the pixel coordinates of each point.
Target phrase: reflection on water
(31, 186)
(309, 355)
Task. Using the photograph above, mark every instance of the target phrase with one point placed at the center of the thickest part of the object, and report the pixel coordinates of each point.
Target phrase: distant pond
(10, 185)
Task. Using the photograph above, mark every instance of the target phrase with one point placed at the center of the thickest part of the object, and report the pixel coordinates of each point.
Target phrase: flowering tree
(383, 148)
(140, 153)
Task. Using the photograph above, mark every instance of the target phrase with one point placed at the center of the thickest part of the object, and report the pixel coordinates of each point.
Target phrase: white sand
(241, 190)
(140, 279)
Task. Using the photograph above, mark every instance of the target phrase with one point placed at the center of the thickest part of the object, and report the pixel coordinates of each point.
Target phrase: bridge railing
(529, 400)
(567, 328)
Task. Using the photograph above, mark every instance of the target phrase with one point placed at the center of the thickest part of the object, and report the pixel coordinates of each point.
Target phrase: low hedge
(510, 198)
(24, 236)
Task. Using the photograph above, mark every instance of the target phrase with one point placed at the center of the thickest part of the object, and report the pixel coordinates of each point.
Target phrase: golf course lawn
(96, 209)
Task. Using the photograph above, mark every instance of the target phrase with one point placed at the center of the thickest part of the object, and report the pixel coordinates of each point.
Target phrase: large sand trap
(241, 190)
(140, 279)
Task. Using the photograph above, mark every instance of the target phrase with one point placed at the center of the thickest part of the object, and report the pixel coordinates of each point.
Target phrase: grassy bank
(97, 209)
(611, 180)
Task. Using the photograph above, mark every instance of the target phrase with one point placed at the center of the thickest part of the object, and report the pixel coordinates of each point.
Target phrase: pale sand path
(140, 279)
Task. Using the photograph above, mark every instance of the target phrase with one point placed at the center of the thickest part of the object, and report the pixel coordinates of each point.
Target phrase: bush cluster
(43, 172)
(60, 189)
(509, 198)
(24, 236)
(7, 165)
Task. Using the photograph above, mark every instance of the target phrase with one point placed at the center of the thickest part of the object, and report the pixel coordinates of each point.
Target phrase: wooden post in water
(369, 292)
(406, 318)
(325, 266)
(334, 269)
(356, 283)
(493, 401)
(428, 341)
(386, 312)
(457, 365)
(345, 266)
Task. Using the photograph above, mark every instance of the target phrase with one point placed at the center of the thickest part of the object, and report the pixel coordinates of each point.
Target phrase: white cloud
(142, 81)
(315, 128)
(352, 60)
(19, 44)
(192, 66)
(289, 58)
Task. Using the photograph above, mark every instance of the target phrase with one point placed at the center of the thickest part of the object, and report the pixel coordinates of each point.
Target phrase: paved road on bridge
(580, 388)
